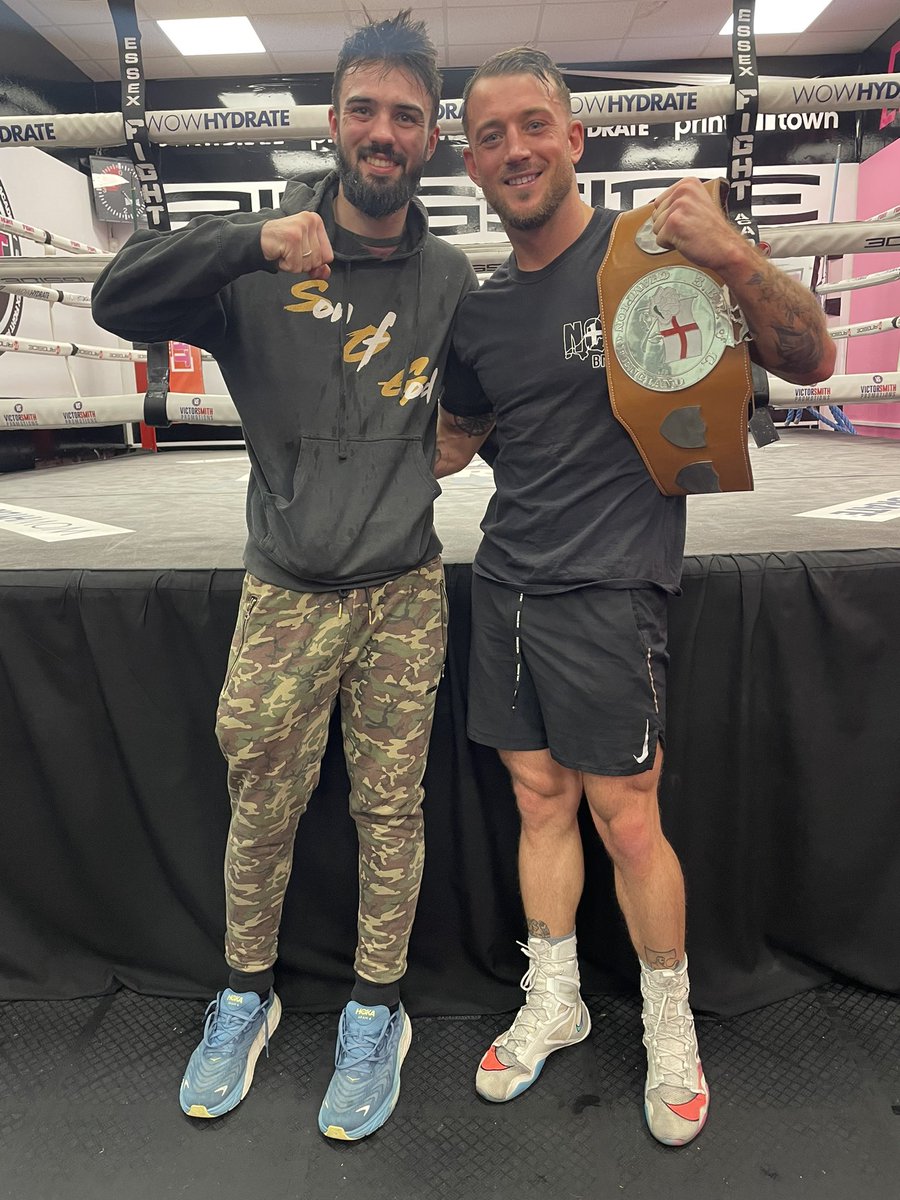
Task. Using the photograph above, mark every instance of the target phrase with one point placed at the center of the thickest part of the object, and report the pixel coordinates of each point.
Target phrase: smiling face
(523, 146)
(383, 137)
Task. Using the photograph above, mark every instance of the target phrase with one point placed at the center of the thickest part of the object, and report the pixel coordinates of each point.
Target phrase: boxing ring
(780, 793)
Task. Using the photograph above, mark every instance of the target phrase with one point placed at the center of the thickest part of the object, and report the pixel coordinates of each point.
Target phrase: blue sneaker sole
(242, 1087)
(378, 1118)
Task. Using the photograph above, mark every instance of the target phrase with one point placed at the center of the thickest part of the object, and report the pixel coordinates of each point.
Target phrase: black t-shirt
(574, 504)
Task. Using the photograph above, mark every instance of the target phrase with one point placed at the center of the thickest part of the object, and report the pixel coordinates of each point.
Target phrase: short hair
(520, 60)
(397, 43)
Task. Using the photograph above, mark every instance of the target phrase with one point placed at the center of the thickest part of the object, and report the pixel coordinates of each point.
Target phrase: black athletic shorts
(581, 673)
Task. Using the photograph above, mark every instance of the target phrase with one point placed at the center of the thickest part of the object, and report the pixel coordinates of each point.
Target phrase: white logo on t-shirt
(584, 340)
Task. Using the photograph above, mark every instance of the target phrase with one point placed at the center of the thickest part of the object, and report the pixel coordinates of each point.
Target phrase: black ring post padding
(740, 126)
(157, 393)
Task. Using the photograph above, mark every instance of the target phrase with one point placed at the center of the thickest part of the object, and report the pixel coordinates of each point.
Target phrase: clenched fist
(687, 219)
(298, 244)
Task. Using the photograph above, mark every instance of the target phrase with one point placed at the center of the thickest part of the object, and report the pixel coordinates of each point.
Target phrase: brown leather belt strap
(677, 383)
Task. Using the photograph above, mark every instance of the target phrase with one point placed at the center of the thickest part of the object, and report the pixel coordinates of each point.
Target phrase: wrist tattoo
(538, 929)
(474, 426)
(660, 960)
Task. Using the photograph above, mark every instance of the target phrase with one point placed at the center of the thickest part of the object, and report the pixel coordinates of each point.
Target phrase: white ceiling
(299, 37)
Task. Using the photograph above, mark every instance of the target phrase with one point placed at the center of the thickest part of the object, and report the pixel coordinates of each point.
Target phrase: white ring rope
(83, 268)
(652, 106)
(783, 241)
(62, 412)
(19, 345)
(50, 295)
(833, 238)
(839, 389)
(862, 281)
(778, 241)
(77, 350)
(32, 234)
(70, 350)
(881, 326)
(890, 212)
(193, 408)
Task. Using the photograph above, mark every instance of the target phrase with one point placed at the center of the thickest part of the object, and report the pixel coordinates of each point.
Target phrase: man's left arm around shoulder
(788, 326)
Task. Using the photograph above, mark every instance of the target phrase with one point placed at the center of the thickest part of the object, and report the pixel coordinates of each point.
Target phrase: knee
(631, 836)
(545, 800)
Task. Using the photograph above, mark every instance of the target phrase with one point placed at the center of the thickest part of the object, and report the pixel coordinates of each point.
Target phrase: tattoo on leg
(660, 960)
(538, 929)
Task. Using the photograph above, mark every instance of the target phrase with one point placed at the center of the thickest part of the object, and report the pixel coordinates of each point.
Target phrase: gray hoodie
(336, 382)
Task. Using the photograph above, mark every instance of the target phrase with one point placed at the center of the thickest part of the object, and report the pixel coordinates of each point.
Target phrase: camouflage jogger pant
(383, 649)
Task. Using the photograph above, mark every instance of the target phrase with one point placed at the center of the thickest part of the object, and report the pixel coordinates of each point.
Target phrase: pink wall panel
(878, 190)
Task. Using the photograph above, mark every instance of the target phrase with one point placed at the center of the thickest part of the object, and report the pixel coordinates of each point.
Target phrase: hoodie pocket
(354, 517)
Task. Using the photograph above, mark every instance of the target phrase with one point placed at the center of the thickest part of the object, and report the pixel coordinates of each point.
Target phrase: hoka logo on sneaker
(235, 1001)
(365, 1014)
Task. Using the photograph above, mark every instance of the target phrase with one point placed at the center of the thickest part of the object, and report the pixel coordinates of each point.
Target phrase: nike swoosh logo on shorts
(646, 749)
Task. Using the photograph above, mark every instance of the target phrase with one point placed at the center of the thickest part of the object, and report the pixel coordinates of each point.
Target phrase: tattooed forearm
(538, 929)
(474, 426)
(787, 323)
(798, 349)
(660, 960)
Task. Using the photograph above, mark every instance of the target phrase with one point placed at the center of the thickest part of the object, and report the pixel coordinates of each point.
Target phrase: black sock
(260, 982)
(370, 994)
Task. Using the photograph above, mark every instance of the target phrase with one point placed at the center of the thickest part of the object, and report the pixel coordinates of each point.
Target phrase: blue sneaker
(371, 1046)
(220, 1070)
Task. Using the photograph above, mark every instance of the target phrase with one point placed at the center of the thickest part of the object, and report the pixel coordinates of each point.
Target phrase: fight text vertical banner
(741, 125)
(143, 154)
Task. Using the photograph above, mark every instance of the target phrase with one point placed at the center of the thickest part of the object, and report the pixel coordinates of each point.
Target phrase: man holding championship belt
(584, 538)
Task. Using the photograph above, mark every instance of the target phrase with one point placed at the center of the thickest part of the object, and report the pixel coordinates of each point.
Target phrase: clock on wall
(115, 192)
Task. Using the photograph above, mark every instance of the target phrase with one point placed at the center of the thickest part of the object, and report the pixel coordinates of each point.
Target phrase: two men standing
(344, 591)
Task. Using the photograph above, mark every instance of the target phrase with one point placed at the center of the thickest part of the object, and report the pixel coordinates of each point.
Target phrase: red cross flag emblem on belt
(671, 328)
(681, 334)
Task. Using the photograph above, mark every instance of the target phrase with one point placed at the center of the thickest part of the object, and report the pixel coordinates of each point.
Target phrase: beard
(377, 197)
(560, 185)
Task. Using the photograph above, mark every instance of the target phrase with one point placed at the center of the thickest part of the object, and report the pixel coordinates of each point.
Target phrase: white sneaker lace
(539, 1000)
(670, 1040)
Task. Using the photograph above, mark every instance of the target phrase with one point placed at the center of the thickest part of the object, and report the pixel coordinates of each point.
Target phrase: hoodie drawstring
(342, 367)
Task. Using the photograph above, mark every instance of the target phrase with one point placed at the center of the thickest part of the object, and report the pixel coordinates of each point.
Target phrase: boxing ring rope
(878, 388)
(862, 281)
(79, 268)
(32, 234)
(17, 345)
(50, 295)
(884, 325)
(782, 241)
(62, 412)
(653, 106)
(211, 409)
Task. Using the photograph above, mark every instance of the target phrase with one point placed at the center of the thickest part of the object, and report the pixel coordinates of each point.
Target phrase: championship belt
(677, 368)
